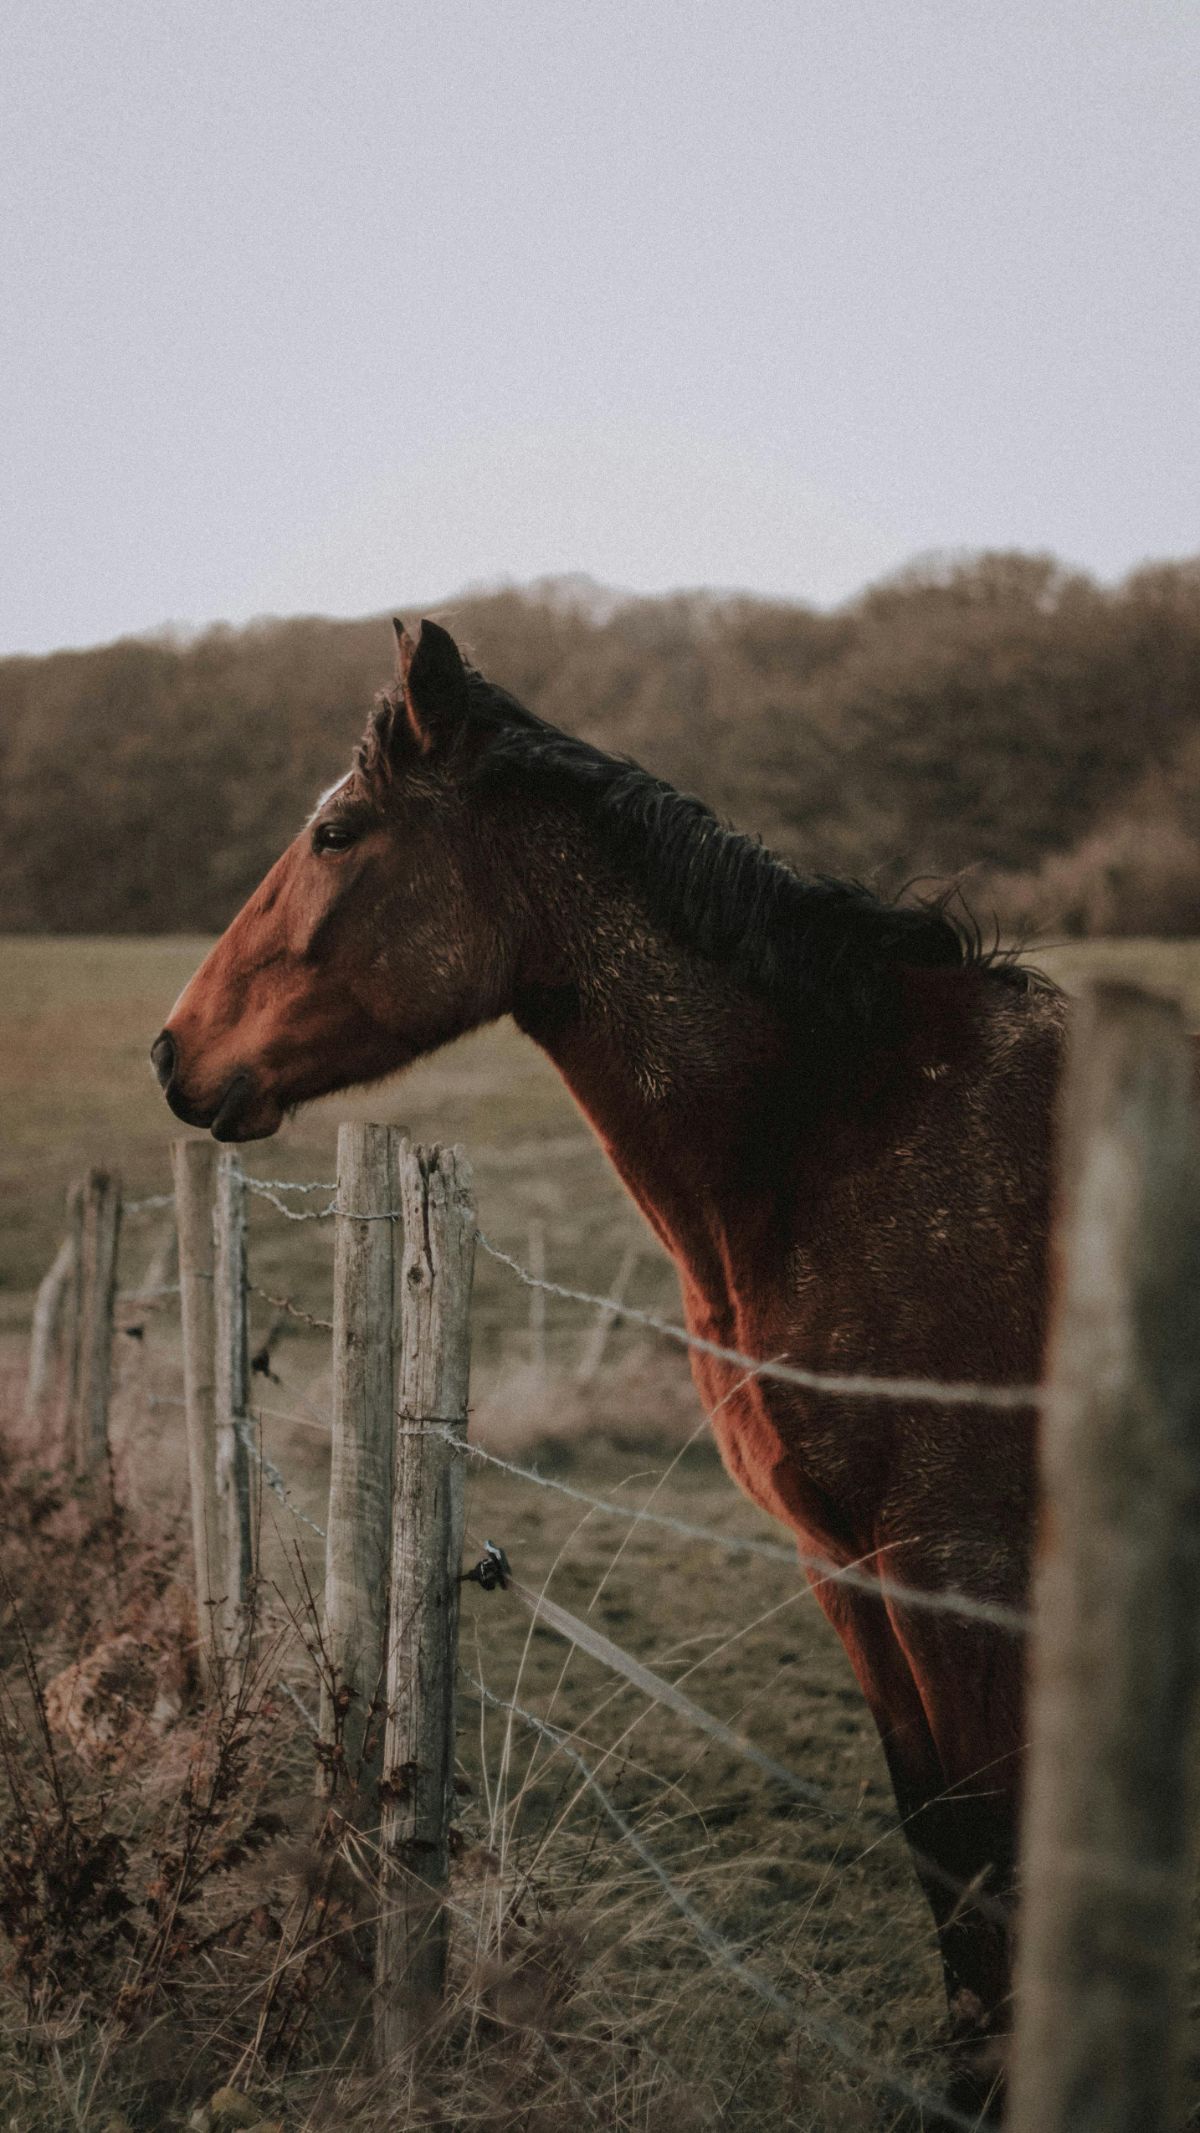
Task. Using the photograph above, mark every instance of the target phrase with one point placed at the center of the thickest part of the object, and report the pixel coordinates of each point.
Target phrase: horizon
(597, 600)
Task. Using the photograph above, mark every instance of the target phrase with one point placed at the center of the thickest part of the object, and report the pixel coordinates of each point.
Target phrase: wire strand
(1003, 1398)
(264, 1191)
(292, 1310)
(880, 1587)
(249, 1438)
(850, 1385)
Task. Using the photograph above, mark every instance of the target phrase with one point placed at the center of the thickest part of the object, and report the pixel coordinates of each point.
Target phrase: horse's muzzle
(233, 1116)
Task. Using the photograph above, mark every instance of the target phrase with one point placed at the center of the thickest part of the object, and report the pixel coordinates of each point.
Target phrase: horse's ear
(430, 672)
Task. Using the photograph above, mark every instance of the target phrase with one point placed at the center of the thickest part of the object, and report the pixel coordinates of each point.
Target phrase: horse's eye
(333, 836)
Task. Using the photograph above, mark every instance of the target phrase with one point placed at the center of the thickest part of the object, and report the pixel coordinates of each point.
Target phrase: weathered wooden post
(436, 1267)
(73, 1317)
(99, 1235)
(236, 1520)
(1106, 1874)
(358, 1547)
(49, 1312)
(194, 1165)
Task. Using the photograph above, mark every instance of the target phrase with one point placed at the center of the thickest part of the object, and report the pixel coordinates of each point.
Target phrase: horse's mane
(814, 947)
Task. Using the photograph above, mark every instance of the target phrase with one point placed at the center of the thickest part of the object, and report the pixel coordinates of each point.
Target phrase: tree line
(997, 719)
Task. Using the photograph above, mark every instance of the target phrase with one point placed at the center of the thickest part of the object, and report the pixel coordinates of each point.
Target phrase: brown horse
(833, 1111)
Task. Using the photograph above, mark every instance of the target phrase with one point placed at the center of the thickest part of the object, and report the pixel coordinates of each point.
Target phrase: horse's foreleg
(969, 1681)
(959, 1827)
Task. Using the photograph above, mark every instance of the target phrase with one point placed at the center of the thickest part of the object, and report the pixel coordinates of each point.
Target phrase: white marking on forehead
(328, 794)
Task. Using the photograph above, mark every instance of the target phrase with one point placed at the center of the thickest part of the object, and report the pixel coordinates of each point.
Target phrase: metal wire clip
(492, 1569)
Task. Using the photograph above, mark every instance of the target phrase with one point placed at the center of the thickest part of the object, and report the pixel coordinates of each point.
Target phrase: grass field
(824, 1904)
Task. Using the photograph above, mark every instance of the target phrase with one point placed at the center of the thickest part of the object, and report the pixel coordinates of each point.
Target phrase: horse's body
(834, 1113)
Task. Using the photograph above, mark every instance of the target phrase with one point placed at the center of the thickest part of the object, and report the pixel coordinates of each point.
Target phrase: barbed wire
(993, 1614)
(266, 1191)
(301, 1185)
(850, 1385)
(293, 1310)
(141, 1207)
(845, 1385)
(655, 1687)
(880, 1587)
(263, 1191)
(249, 1438)
(736, 1543)
(561, 1622)
(721, 1950)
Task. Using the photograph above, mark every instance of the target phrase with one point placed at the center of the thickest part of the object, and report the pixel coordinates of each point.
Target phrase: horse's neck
(670, 1060)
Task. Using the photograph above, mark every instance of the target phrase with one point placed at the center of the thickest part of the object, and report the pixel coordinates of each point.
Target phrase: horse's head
(375, 936)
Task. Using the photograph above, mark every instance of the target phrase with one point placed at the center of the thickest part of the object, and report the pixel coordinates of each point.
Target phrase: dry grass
(225, 1935)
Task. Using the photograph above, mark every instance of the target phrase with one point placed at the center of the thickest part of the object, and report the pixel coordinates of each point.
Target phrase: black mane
(821, 951)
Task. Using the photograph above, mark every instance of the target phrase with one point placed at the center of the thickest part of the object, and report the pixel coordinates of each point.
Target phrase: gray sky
(331, 306)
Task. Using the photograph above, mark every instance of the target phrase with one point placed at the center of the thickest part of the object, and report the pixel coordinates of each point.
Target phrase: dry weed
(181, 1916)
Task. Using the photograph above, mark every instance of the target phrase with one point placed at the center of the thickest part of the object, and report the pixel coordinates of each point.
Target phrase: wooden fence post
(100, 1232)
(49, 1312)
(194, 1165)
(235, 1500)
(358, 1546)
(72, 1319)
(1106, 1874)
(437, 1262)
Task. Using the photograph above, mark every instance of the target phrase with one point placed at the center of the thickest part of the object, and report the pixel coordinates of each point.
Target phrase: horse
(835, 1112)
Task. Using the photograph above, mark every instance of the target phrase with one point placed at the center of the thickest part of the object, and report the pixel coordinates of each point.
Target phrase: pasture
(623, 2021)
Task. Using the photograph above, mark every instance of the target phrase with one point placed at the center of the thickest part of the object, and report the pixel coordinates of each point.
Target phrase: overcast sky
(333, 306)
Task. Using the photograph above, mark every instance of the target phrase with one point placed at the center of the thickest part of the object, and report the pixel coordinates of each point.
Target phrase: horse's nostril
(162, 1059)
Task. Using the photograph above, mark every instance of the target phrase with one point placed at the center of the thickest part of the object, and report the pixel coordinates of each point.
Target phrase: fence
(1116, 1607)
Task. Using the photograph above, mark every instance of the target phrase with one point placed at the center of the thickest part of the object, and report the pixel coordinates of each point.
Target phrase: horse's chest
(791, 1463)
